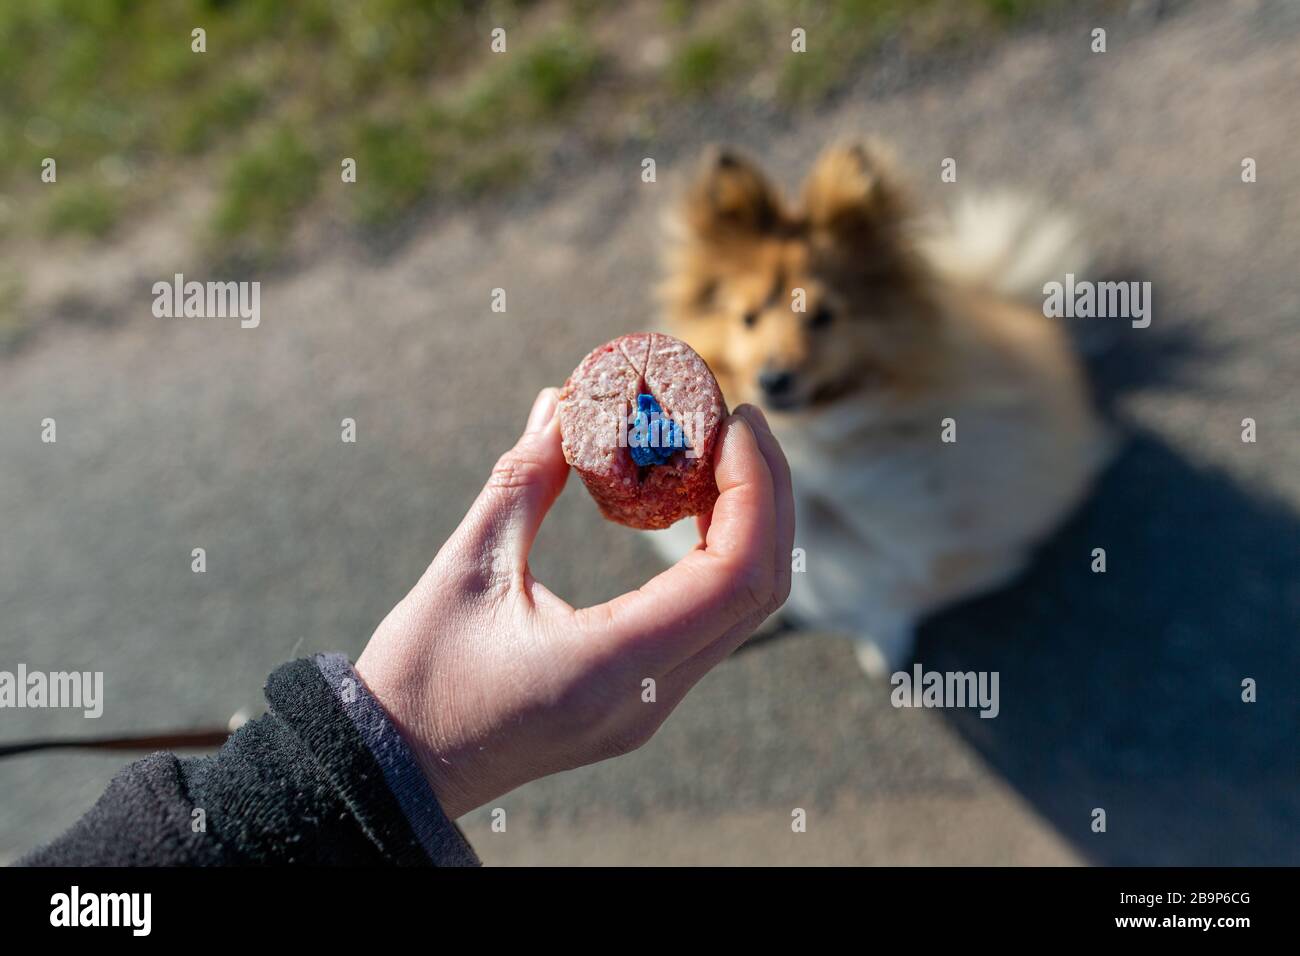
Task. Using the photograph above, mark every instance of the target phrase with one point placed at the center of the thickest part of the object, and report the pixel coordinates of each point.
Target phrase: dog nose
(775, 384)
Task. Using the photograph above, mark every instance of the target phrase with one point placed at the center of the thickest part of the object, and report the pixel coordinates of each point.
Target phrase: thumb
(503, 521)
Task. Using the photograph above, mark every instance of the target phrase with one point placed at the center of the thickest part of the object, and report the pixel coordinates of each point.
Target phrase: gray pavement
(1118, 691)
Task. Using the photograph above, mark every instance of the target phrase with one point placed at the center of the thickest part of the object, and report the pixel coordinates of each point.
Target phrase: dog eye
(751, 319)
(821, 318)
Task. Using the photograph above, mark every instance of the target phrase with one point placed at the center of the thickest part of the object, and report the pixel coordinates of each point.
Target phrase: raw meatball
(599, 422)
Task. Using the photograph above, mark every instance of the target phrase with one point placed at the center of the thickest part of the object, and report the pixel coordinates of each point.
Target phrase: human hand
(494, 681)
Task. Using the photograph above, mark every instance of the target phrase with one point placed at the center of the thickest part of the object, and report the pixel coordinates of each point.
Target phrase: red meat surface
(603, 390)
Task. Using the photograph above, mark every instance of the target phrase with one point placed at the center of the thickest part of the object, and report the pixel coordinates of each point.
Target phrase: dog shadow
(1123, 691)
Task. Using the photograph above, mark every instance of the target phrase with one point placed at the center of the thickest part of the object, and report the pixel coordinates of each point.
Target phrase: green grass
(85, 80)
(844, 33)
(263, 190)
(700, 65)
(552, 74)
(394, 170)
(1011, 10)
(409, 88)
(86, 208)
(538, 83)
(217, 113)
(464, 141)
(840, 33)
(676, 12)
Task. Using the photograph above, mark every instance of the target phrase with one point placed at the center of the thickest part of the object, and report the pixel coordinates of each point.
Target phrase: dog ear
(730, 197)
(852, 193)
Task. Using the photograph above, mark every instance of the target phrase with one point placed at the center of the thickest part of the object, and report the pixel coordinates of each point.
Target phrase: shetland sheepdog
(937, 424)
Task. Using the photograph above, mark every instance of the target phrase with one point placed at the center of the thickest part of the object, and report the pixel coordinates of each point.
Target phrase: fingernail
(543, 410)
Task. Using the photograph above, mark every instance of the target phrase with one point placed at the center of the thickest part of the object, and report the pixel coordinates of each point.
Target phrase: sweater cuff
(441, 839)
(367, 761)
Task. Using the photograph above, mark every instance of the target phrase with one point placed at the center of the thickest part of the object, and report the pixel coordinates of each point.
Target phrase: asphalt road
(1119, 691)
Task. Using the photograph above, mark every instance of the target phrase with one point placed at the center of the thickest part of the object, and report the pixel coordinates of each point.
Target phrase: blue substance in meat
(653, 437)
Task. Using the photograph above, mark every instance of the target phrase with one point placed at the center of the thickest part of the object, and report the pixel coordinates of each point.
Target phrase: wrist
(405, 703)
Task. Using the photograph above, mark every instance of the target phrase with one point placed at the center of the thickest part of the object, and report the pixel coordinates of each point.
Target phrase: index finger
(730, 580)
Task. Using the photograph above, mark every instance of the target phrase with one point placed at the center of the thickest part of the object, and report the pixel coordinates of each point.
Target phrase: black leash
(182, 740)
